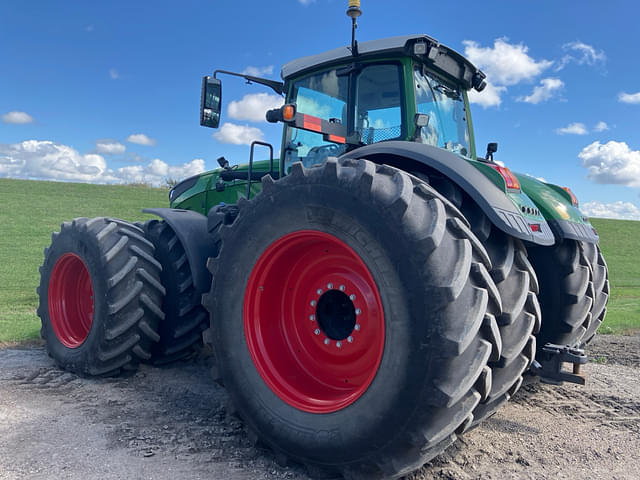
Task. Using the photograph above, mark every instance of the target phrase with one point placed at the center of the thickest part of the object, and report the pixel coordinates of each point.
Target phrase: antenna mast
(354, 12)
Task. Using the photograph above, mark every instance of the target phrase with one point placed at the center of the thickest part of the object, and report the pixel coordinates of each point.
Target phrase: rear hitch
(548, 364)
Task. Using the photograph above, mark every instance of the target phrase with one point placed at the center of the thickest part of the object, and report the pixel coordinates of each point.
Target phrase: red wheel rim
(70, 300)
(313, 321)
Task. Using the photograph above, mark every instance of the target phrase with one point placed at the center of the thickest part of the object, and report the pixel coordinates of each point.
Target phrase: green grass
(29, 212)
(620, 244)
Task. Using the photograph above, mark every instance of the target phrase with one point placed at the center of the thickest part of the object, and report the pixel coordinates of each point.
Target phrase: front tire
(320, 252)
(100, 296)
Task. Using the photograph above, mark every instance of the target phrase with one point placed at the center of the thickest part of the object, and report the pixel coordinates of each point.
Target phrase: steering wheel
(320, 152)
(331, 148)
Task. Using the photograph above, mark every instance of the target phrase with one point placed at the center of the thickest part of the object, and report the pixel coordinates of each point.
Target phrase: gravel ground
(171, 423)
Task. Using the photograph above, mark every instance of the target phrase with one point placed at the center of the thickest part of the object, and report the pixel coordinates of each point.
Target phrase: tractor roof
(441, 57)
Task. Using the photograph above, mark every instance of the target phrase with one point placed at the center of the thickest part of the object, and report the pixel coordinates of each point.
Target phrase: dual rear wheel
(349, 322)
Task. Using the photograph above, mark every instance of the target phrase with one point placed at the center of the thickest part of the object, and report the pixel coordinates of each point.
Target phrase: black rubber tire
(600, 280)
(569, 273)
(127, 295)
(517, 283)
(185, 317)
(431, 272)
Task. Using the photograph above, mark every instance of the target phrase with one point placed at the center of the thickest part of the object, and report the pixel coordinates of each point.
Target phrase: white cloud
(253, 107)
(156, 172)
(543, 92)
(113, 73)
(505, 64)
(619, 210)
(238, 134)
(572, 129)
(108, 146)
(17, 117)
(601, 127)
(582, 54)
(47, 160)
(306, 2)
(629, 97)
(258, 71)
(489, 97)
(141, 139)
(612, 162)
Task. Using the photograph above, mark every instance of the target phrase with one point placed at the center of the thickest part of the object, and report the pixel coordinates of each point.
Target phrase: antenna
(354, 12)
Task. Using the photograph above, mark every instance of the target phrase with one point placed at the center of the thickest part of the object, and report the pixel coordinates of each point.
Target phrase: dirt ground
(171, 423)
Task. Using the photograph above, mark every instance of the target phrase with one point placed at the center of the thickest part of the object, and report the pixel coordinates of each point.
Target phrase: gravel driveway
(172, 423)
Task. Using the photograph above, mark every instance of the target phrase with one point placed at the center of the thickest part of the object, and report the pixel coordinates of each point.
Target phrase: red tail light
(574, 200)
(508, 176)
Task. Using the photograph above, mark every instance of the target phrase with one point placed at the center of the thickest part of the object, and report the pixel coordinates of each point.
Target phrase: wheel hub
(336, 314)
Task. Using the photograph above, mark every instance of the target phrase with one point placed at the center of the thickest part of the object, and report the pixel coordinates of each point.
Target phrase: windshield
(447, 127)
(377, 110)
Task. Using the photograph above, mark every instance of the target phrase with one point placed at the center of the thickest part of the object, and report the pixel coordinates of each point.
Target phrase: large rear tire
(185, 318)
(517, 283)
(100, 296)
(600, 280)
(574, 290)
(348, 317)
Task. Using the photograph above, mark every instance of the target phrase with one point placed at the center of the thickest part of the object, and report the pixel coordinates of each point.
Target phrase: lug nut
(358, 311)
(339, 344)
(327, 341)
(313, 303)
(356, 327)
(329, 286)
(342, 287)
(312, 317)
(319, 291)
(317, 331)
(352, 297)
(350, 339)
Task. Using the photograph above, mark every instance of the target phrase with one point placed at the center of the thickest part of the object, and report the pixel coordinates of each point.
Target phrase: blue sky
(110, 91)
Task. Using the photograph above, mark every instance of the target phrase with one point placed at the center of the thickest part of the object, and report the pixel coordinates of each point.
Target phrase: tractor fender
(490, 198)
(565, 219)
(191, 229)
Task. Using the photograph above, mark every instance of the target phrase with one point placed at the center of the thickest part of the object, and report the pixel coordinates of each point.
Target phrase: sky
(109, 92)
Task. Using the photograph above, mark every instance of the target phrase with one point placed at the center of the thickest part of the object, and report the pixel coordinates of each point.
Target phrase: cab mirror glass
(210, 102)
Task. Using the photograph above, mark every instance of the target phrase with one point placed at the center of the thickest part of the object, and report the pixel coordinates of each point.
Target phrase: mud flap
(548, 364)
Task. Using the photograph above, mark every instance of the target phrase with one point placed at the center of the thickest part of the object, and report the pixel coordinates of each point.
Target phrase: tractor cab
(409, 88)
(404, 88)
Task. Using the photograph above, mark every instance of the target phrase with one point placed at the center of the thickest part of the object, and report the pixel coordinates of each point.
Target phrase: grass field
(31, 210)
(620, 244)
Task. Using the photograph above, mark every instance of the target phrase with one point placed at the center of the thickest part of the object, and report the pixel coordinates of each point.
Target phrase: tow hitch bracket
(548, 364)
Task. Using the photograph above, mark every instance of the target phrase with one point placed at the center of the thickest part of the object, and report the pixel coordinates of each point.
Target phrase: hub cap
(70, 300)
(313, 321)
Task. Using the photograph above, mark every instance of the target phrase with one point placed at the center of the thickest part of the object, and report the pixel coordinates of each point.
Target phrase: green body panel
(520, 199)
(552, 201)
(203, 195)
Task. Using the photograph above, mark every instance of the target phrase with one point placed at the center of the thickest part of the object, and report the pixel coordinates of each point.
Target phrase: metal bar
(249, 173)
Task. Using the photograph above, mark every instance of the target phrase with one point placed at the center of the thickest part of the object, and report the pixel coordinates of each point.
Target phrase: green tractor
(370, 294)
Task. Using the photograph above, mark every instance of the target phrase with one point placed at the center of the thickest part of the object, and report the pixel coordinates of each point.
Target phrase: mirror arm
(276, 86)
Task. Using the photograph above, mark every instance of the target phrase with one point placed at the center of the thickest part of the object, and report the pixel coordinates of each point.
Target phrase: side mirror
(491, 149)
(210, 102)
